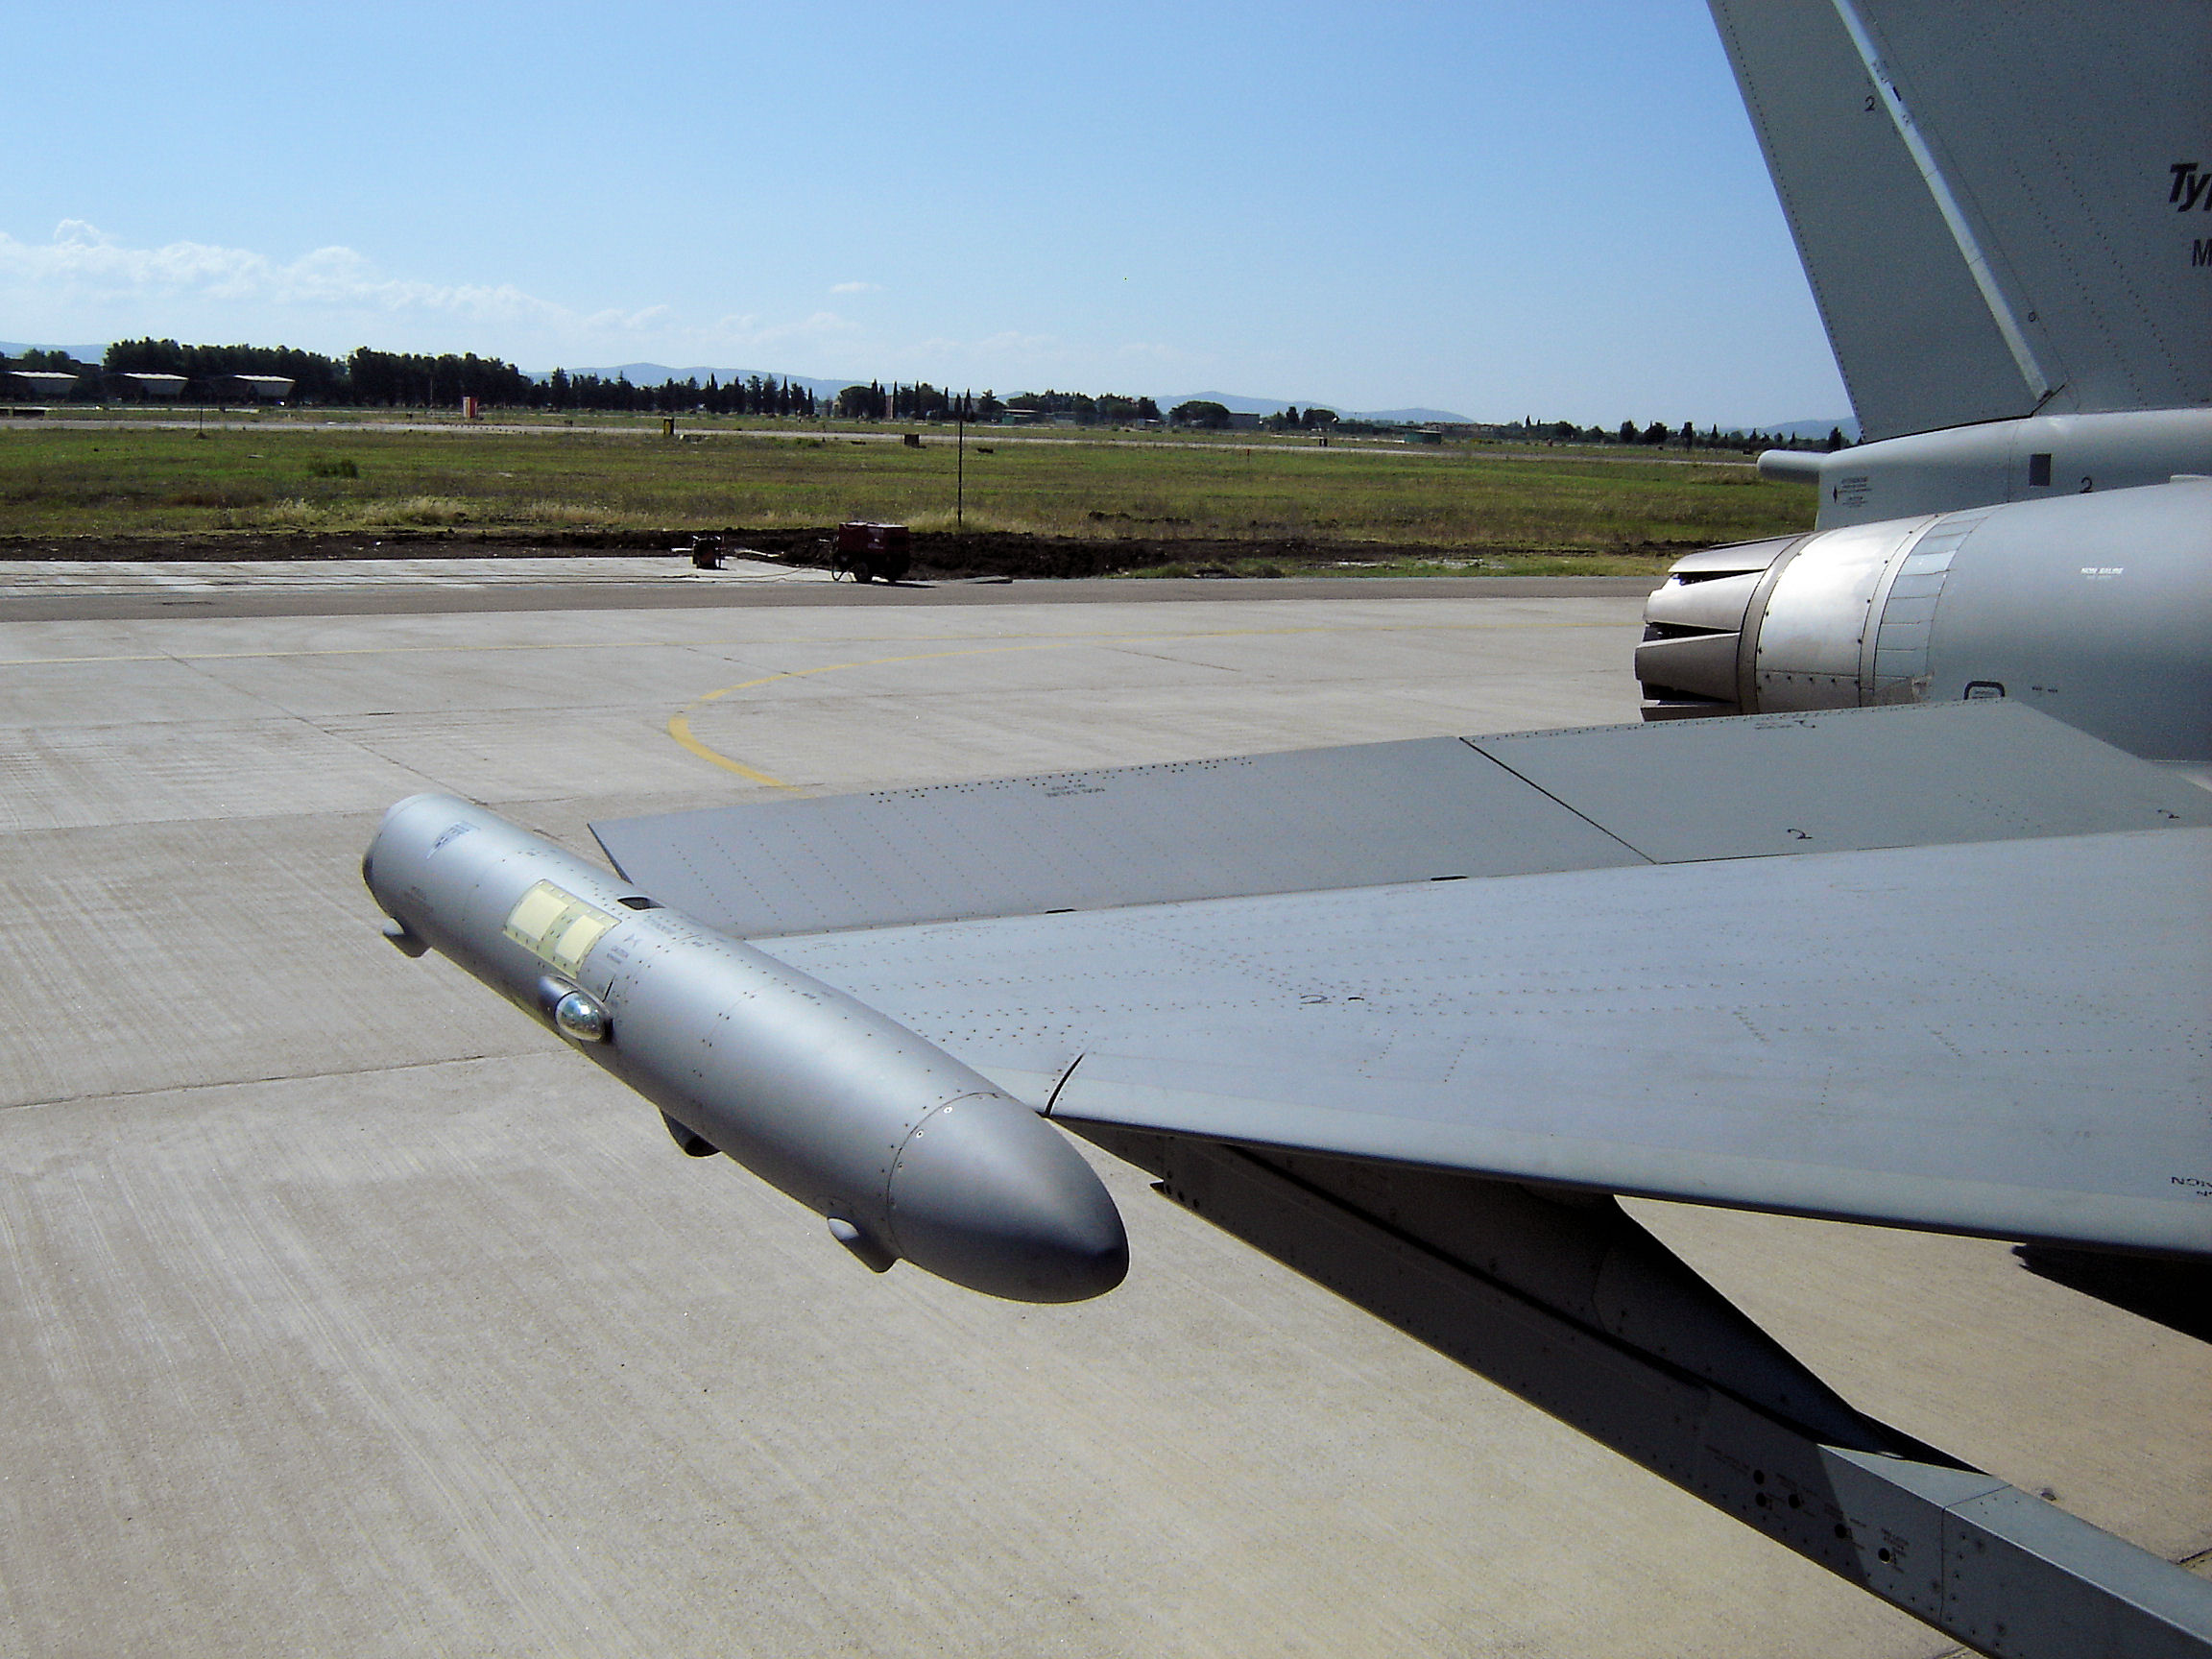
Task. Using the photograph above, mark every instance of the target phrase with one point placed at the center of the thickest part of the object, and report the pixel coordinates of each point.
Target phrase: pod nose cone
(989, 1195)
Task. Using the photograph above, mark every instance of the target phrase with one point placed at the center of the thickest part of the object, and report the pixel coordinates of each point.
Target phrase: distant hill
(1228, 401)
(83, 353)
(1410, 417)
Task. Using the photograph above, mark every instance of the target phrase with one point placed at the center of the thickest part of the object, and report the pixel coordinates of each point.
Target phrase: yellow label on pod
(556, 926)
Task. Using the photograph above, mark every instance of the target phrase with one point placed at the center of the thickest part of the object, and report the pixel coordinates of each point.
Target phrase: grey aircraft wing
(1943, 966)
(1381, 1012)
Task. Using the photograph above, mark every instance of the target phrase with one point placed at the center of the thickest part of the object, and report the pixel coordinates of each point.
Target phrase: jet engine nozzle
(902, 1146)
(2096, 609)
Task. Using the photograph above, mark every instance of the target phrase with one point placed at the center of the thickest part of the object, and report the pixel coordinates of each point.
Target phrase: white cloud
(82, 262)
(749, 330)
(1012, 340)
(856, 288)
(83, 284)
(1010, 351)
(86, 282)
(619, 322)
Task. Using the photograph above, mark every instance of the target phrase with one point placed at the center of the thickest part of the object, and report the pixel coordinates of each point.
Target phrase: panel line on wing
(1564, 806)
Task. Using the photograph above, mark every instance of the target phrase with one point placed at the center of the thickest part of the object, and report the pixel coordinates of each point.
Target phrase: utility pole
(960, 466)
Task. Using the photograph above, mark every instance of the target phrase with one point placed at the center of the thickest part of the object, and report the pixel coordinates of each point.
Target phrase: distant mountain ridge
(83, 353)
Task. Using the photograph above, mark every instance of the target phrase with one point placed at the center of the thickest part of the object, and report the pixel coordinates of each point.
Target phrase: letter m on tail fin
(1980, 197)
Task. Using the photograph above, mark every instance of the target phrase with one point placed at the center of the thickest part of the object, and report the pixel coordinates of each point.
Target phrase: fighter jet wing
(1940, 967)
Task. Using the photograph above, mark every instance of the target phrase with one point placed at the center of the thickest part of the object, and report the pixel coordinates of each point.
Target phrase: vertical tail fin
(2003, 210)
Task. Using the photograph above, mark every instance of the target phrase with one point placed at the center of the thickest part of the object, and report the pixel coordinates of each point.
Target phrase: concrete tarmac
(70, 590)
(341, 1309)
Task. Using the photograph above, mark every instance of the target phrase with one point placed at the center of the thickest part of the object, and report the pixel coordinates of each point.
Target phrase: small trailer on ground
(872, 552)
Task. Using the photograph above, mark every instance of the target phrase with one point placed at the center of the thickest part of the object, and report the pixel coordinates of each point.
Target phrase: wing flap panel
(1853, 779)
(1135, 1096)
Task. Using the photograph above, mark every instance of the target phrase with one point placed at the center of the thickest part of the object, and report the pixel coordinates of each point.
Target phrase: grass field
(1475, 507)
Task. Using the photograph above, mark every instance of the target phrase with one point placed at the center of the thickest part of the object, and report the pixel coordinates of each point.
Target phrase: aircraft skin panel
(2001, 1039)
(1365, 814)
(1372, 814)
(2064, 141)
(1898, 775)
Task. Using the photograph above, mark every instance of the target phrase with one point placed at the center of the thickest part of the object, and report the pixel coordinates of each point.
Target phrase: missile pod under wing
(909, 1154)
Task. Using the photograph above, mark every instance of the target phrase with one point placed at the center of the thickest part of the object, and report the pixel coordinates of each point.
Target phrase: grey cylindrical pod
(857, 1117)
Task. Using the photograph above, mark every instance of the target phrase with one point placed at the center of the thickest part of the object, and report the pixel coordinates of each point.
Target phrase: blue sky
(1500, 209)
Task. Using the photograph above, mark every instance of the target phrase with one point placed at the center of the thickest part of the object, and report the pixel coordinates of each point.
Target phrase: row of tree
(382, 379)
(919, 401)
(405, 380)
(1206, 414)
(916, 401)
(754, 395)
(1658, 434)
(408, 380)
(1109, 409)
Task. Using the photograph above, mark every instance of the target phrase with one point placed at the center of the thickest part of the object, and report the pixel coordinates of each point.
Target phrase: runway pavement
(343, 1310)
(74, 590)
